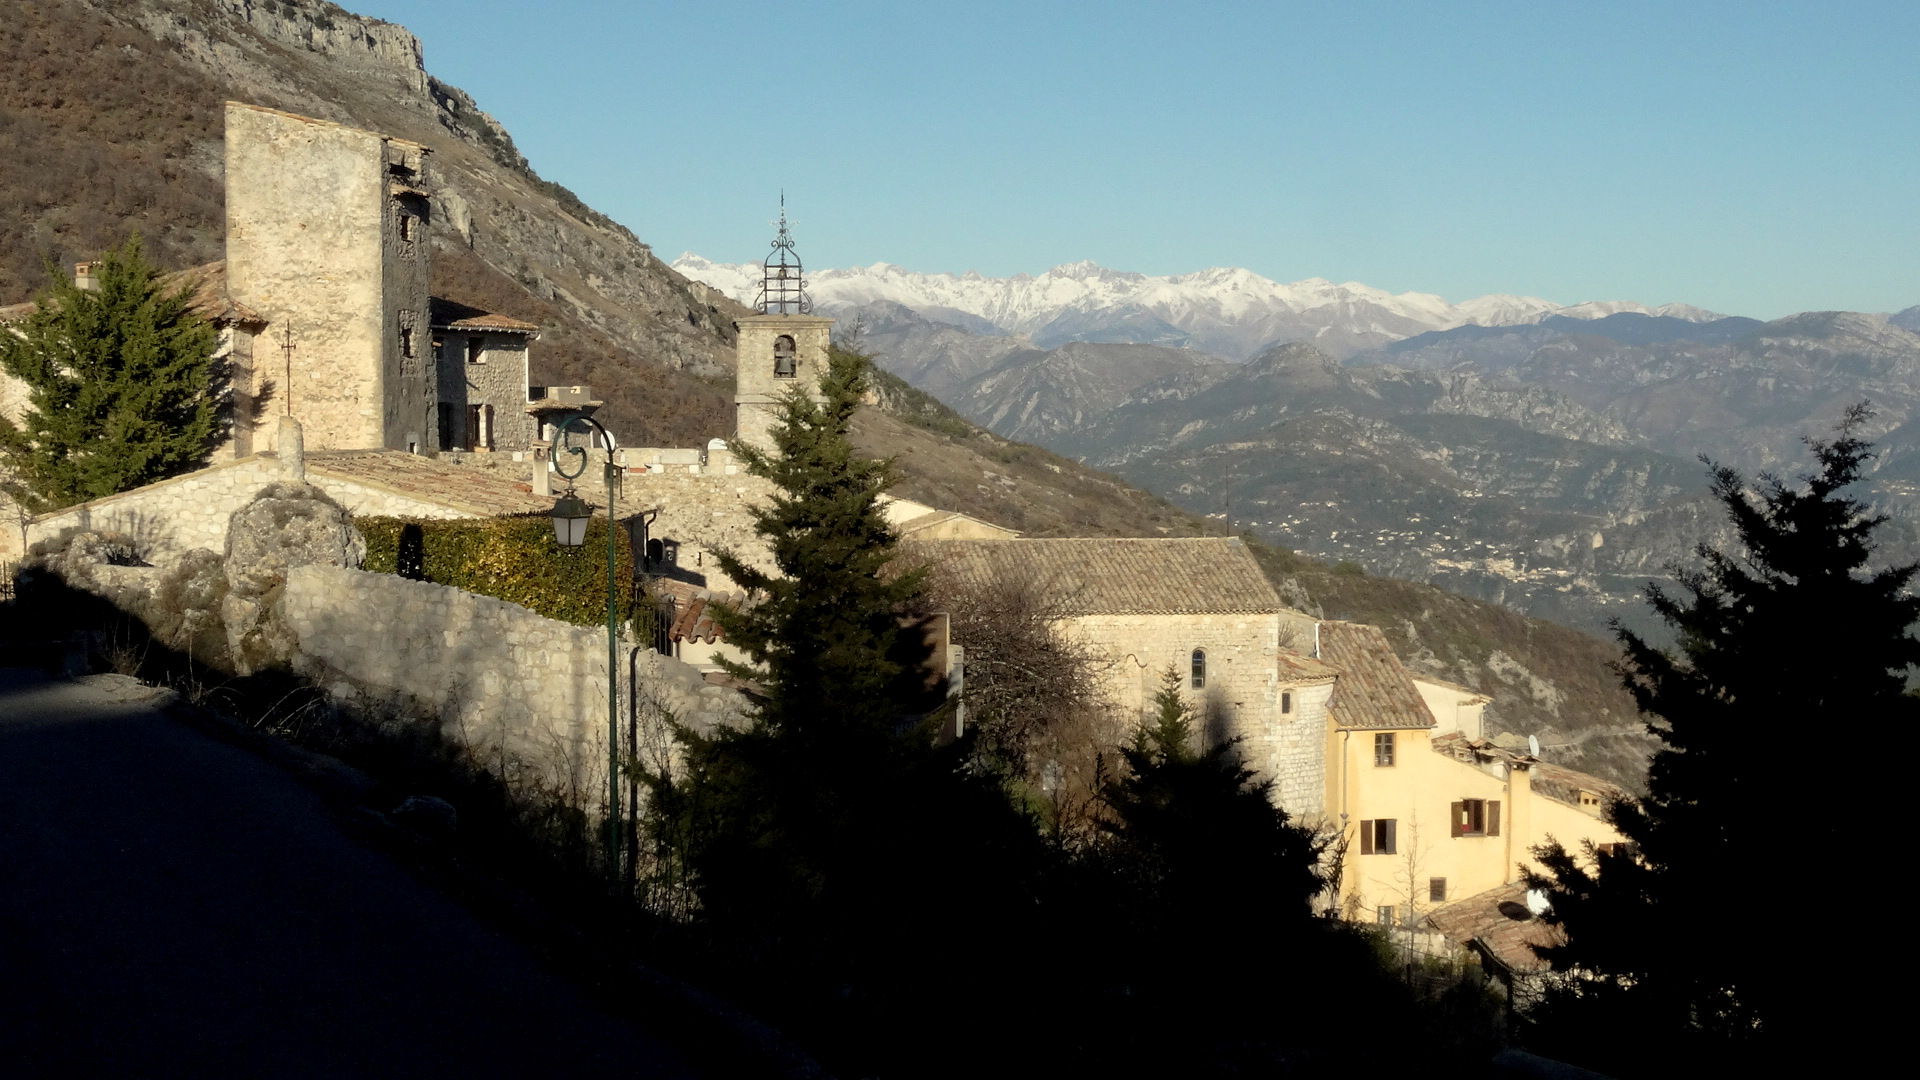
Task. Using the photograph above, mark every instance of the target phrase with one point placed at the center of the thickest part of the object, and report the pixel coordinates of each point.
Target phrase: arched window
(1199, 669)
(784, 360)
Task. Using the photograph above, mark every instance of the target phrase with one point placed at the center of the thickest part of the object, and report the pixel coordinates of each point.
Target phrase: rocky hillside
(110, 122)
(1545, 679)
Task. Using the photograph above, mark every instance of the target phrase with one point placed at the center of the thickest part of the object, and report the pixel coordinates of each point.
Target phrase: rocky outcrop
(287, 525)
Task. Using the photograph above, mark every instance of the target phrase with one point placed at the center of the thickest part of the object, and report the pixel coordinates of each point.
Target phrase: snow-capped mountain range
(1226, 312)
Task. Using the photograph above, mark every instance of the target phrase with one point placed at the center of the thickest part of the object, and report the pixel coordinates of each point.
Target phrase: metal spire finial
(782, 283)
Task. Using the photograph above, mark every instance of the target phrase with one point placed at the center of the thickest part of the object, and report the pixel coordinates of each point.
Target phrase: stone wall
(758, 391)
(1241, 698)
(516, 689)
(312, 239)
(498, 378)
(704, 499)
(192, 511)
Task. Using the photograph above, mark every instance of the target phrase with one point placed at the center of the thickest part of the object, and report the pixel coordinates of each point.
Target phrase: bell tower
(782, 348)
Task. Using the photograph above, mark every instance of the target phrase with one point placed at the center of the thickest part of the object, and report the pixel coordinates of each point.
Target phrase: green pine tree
(824, 627)
(1200, 828)
(123, 389)
(1784, 643)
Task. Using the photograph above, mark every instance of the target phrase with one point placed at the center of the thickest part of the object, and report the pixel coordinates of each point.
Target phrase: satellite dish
(1537, 901)
(1533, 745)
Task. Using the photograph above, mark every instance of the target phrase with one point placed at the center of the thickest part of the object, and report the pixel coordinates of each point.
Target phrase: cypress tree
(123, 389)
(1784, 643)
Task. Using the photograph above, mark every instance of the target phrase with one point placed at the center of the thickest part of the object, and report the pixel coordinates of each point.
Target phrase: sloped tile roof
(693, 610)
(1115, 576)
(1296, 669)
(430, 480)
(1498, 922)
(453, 315)
(1556, 782)
(1374, 690)
(206, 287)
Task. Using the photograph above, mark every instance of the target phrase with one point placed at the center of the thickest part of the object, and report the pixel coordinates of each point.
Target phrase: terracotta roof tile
(1295, 669)
(1114, 576)
(1374, 690)
(1497, 922)
(1556, 782)
(692, 610)
(453, 315)
(207, 294)
(430, 480)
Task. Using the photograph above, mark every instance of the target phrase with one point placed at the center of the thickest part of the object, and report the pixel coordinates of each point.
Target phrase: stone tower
(327, 231)
(781, 348)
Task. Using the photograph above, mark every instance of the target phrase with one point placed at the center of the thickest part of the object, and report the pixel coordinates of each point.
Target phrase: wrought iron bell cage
(783, 287)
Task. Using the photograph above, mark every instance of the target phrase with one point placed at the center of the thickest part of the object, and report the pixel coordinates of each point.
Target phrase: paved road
(171, 905)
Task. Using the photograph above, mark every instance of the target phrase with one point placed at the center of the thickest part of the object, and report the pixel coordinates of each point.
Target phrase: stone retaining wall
(192, 511)
(527, 692)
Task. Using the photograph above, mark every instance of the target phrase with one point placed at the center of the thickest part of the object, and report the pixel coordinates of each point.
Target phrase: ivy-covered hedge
(514, 559)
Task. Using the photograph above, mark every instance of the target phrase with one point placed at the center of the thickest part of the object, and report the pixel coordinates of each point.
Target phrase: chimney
(85, 276)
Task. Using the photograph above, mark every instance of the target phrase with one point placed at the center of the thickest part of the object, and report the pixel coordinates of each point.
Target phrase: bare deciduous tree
(1034, 692)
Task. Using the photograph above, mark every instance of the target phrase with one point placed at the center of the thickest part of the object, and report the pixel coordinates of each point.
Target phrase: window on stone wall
(786, 360)
(1383, 915)
(406, 226)
(406, 341)
(1379, 836)
(476, 350)
(1199, 669)
(446, 425)
(1383, 749)
(1286, 701)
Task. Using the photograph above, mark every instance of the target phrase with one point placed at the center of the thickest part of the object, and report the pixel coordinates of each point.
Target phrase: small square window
(406, 341)
(476, 350)
(406, 227)
(1383, 915)
(1437, 890)
(1383, 749)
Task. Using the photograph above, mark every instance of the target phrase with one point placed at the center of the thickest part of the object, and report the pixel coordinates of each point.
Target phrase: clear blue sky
(1755, 158)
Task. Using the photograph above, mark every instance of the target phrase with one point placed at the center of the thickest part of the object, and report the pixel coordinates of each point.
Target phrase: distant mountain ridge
(1226, 312)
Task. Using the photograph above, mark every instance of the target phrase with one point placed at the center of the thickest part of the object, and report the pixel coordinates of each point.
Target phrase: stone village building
(416, 406)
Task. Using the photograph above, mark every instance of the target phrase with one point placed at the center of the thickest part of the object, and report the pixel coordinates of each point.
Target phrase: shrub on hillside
(514, 559)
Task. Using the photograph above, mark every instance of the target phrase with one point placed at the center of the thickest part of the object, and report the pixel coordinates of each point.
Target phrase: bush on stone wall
(514, 559)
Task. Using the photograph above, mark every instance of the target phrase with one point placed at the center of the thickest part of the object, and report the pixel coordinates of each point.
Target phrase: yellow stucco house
(1432, 812)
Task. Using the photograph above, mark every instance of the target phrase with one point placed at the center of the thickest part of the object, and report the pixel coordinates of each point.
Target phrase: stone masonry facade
(327, 232)
(1241, 698)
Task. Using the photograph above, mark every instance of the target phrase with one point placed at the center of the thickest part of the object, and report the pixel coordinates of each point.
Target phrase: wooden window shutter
(1366, 838)
(1493, 817)
(1387, 843)
(1459, 816)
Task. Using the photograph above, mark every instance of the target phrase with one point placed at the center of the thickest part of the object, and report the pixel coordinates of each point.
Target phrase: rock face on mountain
(110, 118)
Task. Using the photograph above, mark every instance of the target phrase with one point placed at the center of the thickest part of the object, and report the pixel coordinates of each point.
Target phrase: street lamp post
(570, 517)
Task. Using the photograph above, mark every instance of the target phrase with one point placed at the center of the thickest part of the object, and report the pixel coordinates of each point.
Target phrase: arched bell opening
(786, 359)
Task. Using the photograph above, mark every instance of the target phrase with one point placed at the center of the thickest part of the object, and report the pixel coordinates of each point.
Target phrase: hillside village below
(348, 376)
